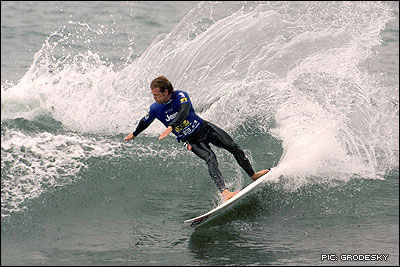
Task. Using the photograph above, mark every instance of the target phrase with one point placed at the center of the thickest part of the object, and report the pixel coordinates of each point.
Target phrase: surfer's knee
(235, 149)
(210, 158)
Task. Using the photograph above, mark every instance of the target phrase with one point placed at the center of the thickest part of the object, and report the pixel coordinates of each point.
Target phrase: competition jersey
(168, 111)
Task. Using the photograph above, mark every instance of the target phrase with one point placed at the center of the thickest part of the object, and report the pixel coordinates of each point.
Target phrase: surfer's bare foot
(259, 174)
(226, 194)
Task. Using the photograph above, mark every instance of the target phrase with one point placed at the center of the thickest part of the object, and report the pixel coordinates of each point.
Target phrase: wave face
(304, 73)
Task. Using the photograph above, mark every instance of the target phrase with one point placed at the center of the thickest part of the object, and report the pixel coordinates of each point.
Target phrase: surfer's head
(161, 88)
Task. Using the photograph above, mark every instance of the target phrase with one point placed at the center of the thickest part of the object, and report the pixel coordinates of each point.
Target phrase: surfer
(174, 109)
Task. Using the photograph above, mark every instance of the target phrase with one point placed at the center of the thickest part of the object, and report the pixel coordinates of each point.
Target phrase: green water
(125, 211)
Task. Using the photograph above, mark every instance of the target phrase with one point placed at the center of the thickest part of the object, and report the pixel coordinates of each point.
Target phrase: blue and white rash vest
(168, 111)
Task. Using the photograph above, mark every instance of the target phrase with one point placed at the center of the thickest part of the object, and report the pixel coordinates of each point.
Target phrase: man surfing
(174, 109)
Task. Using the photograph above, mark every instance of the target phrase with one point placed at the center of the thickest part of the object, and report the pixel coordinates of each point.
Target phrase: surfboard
(202, 219)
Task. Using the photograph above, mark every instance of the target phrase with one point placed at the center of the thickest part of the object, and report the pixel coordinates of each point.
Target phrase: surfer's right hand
(129, 137)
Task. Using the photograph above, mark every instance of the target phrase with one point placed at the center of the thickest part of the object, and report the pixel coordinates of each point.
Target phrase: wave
(298, 71)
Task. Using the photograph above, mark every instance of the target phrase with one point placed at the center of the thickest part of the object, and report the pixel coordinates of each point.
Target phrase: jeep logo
(171, 117)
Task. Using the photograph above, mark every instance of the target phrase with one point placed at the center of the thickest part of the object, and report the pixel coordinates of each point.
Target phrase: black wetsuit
(200, 145)
(196, 133)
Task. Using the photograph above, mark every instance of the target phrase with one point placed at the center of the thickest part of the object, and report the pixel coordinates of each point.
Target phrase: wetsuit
(196, 133)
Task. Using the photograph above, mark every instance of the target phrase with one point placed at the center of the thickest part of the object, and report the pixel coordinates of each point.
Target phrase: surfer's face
(160, 97)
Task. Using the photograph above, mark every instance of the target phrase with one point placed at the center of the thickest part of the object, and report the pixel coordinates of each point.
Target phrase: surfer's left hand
(165, 133)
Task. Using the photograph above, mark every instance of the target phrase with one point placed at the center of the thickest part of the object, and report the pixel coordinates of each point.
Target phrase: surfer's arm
(183, 113)
(140, 128)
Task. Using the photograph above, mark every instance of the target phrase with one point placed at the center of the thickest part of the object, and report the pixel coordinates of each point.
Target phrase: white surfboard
(197, 221)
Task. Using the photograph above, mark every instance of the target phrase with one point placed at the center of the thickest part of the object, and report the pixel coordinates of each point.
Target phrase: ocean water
(310, 89)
